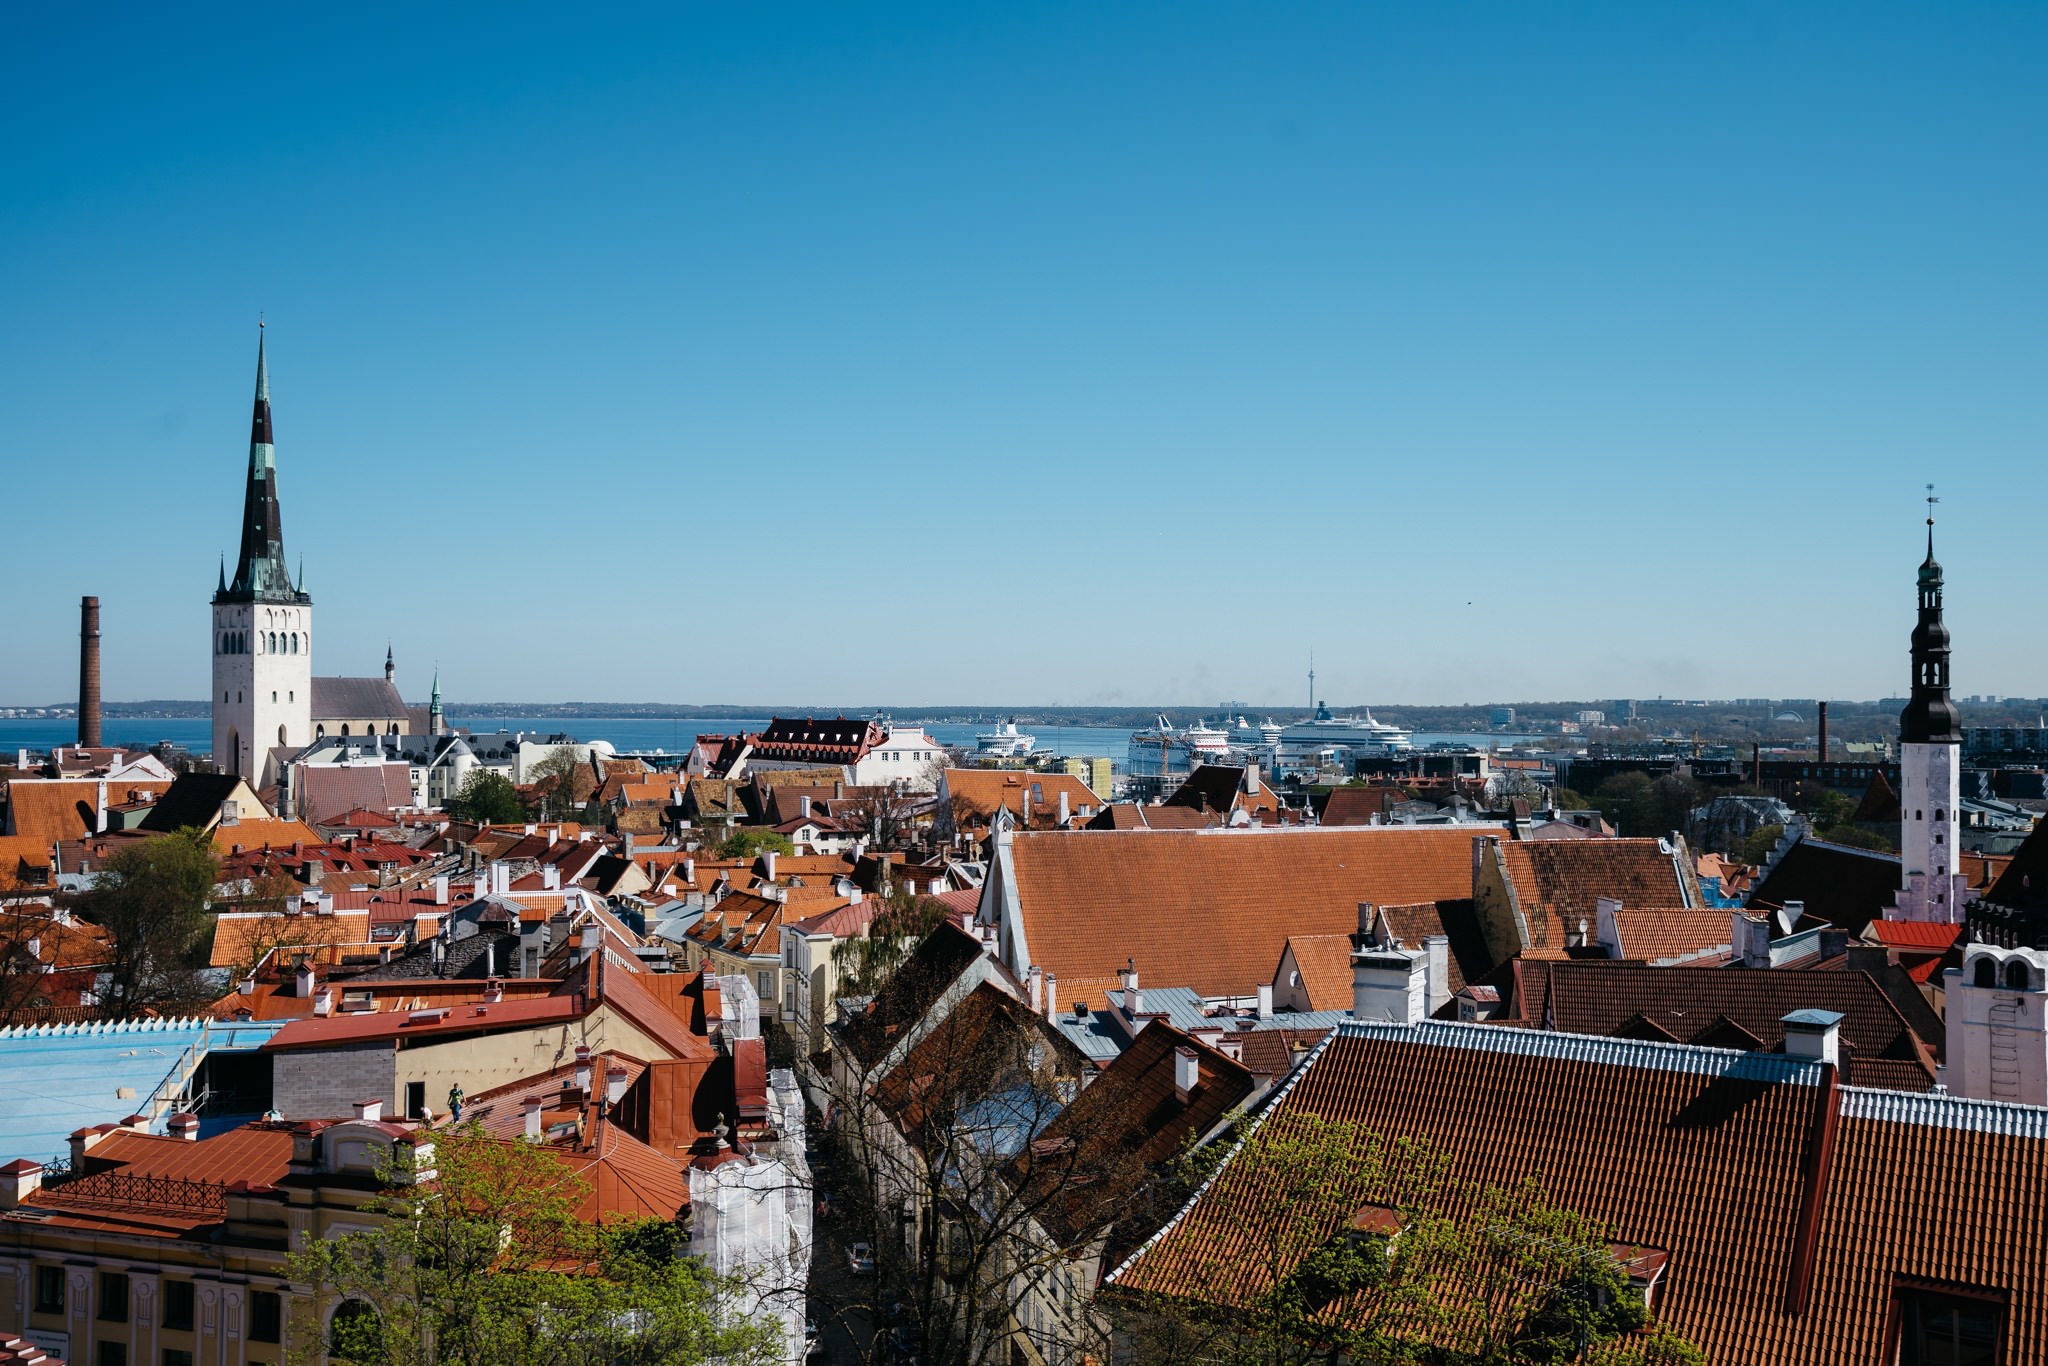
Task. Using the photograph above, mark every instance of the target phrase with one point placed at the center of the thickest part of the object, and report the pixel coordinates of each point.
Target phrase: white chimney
(21, 1179)
(1607, 925)
(1265, 1000)
(441, 890)
(1134, 999)
(185, 1126)
(1389, 984)
(533, 1109)
(551, 877)
(494, 991)
(1034, 987)
(583, 1069)
(1063, 808)
(1187, 1073)
(323, 1001)
(614, 1085)
(768, 863)
(1437, 949)
(370, 1111)
(303, 981)
(690, 871)
(1813, 1035)
(1750, 937)
(1251, 779)
(501, 878)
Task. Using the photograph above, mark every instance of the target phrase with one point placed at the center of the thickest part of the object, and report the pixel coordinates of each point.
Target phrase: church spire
(436, 724)
(261, 573)
(1931, 717)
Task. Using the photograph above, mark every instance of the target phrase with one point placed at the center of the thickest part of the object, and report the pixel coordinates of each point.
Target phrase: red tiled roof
(977, 793)
(1324, 962)
(1696, 1004)
(1559, 882)
(1659, 934)
(48, 810)
(469, 1018)
(1752, 1173)
(1211, 910)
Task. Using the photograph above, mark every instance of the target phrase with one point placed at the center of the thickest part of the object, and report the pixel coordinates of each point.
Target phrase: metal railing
(167, 1194)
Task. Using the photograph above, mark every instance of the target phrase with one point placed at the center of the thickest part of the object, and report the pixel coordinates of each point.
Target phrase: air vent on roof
(427, 1016)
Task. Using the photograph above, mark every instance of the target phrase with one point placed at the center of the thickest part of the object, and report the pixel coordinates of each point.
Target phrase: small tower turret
(1930, 763)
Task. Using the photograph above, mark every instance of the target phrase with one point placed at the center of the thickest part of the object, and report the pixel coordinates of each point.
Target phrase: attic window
(1943, 1326)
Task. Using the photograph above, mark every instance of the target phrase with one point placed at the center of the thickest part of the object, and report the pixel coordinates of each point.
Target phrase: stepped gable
(1794, 1215)
(1211, 910)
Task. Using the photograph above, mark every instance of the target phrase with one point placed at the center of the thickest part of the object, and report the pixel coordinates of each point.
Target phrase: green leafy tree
(151, 899)
(1761, 841)
(1476, 1276)
(486, 798)
(485, 1261)
(568, 781)
(754, 843)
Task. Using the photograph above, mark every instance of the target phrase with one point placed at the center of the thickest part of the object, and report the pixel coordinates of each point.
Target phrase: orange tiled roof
(241, 937)
(1701, 1153)
(1211, 910)
(1559, 882)
(1658, 934)
(978, 792)
(1324, 962)
(54, 809)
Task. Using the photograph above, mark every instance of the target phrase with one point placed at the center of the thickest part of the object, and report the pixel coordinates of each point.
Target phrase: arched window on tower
(1986, 974)
(2016, 978)
(344, 730)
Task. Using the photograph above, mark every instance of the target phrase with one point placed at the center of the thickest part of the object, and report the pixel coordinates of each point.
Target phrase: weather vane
(1931, 501)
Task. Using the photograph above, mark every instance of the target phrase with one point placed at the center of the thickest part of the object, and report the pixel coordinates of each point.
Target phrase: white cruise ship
(1005, 742)
(1306, 741)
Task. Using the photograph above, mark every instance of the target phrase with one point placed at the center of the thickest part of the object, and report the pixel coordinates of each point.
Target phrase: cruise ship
(1308, 741)
(1005, 742)
(1164, 751)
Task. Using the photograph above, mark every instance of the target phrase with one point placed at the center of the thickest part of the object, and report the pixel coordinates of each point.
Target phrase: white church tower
(262, 626)
(1930, 768)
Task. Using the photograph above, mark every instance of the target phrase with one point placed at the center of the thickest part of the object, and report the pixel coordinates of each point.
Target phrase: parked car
(861, 1258)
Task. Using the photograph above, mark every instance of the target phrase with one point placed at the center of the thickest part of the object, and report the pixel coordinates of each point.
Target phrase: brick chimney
(89, 672)
(184, 1125)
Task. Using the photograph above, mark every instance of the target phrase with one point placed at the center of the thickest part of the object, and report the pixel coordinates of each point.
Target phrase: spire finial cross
(1931, 501)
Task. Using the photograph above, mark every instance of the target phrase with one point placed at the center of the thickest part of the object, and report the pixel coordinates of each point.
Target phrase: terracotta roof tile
(1699, 1153)
(1211, 910)
(1559, 882)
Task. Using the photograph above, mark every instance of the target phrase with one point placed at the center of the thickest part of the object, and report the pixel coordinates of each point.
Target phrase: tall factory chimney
(1823, 732)
(89, 672)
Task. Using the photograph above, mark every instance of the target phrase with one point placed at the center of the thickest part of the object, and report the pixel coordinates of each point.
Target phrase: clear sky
(1034, 354)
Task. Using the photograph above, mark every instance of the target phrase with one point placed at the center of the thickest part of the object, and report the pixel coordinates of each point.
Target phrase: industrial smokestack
(1823, 732)
(89, 673)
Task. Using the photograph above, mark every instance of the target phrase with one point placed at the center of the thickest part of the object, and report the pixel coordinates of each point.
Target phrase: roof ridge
(1944, 1110)
(1648, 1054)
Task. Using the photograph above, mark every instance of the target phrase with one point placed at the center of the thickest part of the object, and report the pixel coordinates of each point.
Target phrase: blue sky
(1035, 354)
